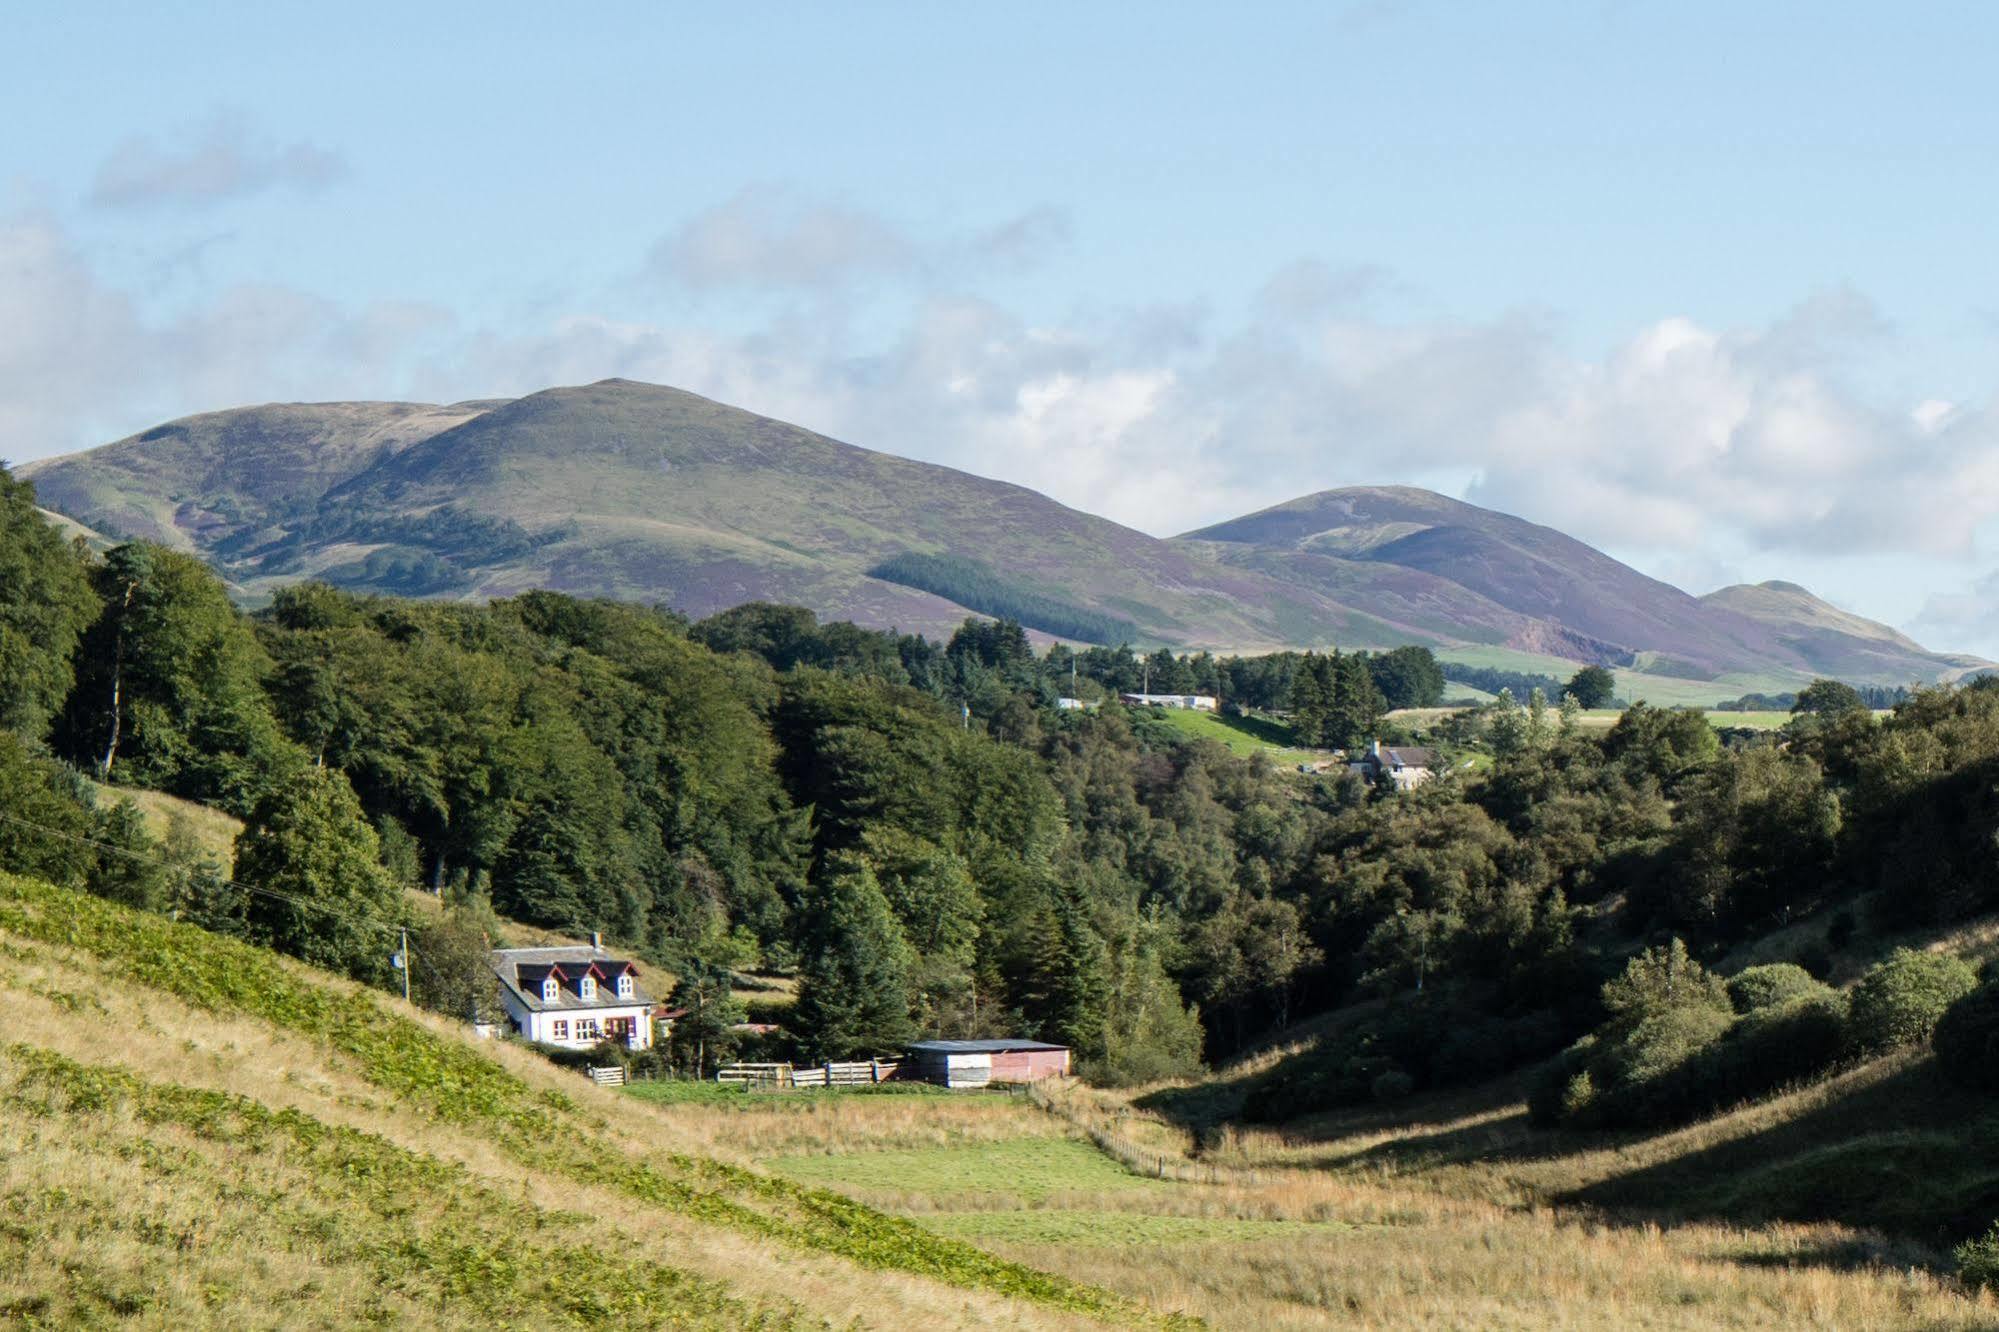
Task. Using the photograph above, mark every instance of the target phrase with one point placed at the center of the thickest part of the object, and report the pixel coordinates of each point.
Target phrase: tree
(46, 603)
(319, 890)
(853, 995)
(1591, 687)
(169, 690)
(1355, 714)
(1071, 988)
(1826, 698)
(1408, 677)
(705, 1034)
(1311, 701)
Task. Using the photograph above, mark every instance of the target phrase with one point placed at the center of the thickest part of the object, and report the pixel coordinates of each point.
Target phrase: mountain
(1376, 545)
(649, 493)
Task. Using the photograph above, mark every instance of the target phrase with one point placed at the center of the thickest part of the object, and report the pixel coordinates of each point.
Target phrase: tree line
(917, 833)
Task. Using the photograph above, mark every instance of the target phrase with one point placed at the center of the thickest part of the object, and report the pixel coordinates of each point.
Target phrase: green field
(1008, 1173)
(1665, 691)
(1242, 735)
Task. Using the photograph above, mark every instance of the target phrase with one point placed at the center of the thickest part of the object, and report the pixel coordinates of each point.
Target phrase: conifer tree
(853, 998)
(1310, 701)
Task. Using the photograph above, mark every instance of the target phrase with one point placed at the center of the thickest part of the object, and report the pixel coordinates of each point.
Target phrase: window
(548, 990)
(586, 1029)
(561, 1032)
(625, 986)
(589, 986)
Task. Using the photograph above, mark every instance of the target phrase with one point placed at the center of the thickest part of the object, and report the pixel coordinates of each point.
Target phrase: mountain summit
(650, 493)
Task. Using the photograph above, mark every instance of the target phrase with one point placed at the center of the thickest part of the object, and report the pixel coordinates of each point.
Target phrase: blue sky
(1707, 285)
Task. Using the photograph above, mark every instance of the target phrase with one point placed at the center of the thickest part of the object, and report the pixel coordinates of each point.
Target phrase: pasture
(1348, 1223)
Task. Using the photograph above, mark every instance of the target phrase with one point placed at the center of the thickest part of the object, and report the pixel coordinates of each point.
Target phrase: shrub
(1771, 986)
(1967, 1040)
(1978, 1260)
(1393, 1085)
(1899, 1002)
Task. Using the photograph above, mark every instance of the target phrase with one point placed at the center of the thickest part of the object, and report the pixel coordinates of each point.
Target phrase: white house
(573, 996)
(1407, 767)
(1193, 702)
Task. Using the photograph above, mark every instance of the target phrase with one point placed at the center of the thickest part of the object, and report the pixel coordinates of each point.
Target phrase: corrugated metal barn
(981, 1063)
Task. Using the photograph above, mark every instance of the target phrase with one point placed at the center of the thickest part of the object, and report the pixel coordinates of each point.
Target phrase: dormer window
(625, 985)
(588, 987)
(548, 988)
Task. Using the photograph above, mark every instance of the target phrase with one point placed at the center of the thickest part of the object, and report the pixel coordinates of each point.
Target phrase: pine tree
(1355, 714)
(853, 998)
(1310, 701)
(1072, 983)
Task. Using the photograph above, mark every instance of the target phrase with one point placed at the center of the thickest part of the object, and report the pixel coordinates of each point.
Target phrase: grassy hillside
(198, 1133)
(1419, 557)
(650, 494)
(1101, 1188)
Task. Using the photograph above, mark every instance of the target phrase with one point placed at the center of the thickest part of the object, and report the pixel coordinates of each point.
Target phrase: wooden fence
(780, 1077)
(606, 1075)
(1133, 1157)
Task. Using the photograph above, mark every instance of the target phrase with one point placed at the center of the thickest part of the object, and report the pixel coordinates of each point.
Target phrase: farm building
(1406, 767)
(980, 1063)
(1192, 702)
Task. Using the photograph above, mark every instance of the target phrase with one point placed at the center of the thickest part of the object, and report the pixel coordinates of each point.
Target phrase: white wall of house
(572, 1023)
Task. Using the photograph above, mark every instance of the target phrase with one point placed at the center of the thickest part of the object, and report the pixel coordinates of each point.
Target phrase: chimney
(596, 942)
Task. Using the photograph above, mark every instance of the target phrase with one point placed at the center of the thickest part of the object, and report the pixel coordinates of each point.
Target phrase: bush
(1900, 1001)
(1772, 986)
(1393, 1085)
(1967, 1040)
(1978, 1260)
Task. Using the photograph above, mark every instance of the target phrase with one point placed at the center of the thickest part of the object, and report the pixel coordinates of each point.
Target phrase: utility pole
(403, 963)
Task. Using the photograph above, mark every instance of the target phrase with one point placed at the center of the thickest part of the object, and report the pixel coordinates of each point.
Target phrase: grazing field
(1343, 1225)
(1663, 691)
(1243, 736)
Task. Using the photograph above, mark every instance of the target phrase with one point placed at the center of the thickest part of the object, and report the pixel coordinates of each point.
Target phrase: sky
(1710, 286)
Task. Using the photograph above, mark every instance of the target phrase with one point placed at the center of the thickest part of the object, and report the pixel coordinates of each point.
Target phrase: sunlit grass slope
(198, 1133)
(1300, 1241)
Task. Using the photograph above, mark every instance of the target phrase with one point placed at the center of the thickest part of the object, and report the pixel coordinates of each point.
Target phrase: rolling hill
(649, 493)
(1552, 594)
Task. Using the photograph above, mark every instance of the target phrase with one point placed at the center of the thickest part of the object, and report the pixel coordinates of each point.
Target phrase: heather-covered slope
(1542, 591)
(651, 494)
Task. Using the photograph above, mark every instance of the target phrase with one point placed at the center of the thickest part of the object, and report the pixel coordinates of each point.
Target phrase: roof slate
(521, 971)
(979, 1047)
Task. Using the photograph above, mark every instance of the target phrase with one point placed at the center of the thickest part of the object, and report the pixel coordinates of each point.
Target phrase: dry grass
(158, 1037)
(1308, 1232)
(213, 831)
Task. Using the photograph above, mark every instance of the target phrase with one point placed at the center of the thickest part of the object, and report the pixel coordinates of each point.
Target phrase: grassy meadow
(1348, 1224)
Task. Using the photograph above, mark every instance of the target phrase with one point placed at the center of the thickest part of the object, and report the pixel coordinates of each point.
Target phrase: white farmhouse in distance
(574, 996)
(1192, 702)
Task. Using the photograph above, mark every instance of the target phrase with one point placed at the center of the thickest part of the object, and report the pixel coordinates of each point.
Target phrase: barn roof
(979, 1047)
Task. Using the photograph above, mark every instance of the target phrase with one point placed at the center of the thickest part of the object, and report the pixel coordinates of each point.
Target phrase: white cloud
(770, 239)
(208, 164)
(1700, 452)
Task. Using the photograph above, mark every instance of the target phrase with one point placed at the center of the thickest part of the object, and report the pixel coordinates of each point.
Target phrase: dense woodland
(917, 833)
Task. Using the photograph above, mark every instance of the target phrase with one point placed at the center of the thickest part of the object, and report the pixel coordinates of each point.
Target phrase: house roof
(979, 1047)
(1410, 757)
(522, 970)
